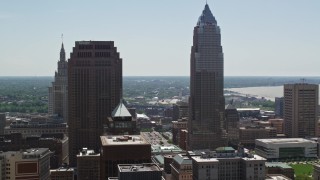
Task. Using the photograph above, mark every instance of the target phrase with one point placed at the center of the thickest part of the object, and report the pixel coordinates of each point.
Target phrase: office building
(226, 163)
(181, 167)
(300, 110)
(278, 107)
(206, 100)
(121, 122)
(2, 123)
(88, 164)
(94, 90)
(180, 110)
(58, 92)
(122, 150)
(177, 126)
(232, 124)
(26, 164)
(248, 134)
(278, 124)
(286, 148)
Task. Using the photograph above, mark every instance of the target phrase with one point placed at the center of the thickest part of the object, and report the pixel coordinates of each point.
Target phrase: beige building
(300, 110)
(181, 168)
(29, 164)
(88, 165)
(227, 163)
(58, 92)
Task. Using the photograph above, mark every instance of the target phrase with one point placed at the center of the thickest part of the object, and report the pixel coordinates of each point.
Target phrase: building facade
(286, 148)
(33, 164)
(226, 163)
(181, 167)
(248, 134)
(58, 92)
(94, 90)
(88, 165)
(232, 124)
(301, 110)
(206, 102)
(122, 150)
(278, 107)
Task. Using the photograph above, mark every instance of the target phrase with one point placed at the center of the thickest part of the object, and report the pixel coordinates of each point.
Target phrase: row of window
(98, 46)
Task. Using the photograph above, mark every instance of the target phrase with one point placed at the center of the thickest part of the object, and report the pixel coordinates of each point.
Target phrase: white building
(286, 148)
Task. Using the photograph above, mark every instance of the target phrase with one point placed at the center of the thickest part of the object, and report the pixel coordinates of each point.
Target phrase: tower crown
(62, 53)
(206, 17)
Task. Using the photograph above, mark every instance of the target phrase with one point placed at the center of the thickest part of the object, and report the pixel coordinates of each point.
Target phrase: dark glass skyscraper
(95, 89)
(206, 85)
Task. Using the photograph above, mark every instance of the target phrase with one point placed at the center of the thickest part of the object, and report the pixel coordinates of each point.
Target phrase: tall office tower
(206, 85)
(95, 89)
(58, 92)
(300, 110)
(279, 106)
(2, 123)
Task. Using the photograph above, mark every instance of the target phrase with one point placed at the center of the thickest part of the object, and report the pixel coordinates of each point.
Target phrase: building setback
(300, 110)
(94, 90)
(58, 92)
(206, 101)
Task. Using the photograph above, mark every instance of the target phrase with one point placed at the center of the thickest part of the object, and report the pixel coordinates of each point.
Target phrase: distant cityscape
(91, 123)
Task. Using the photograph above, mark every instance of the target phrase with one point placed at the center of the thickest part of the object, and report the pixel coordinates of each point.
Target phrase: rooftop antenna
(62, 37)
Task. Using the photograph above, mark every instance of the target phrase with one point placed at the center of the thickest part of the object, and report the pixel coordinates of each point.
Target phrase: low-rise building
(280, 168)
(227, 163)
(287, 148)
(248, 134)
(181, 168)
(278, 124)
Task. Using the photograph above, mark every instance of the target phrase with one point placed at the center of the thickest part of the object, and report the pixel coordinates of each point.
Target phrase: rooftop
(123, 140)
(182, 159)
(138, 167)
(121, 111)
(278, 164)
(285, 141)
(87, 152)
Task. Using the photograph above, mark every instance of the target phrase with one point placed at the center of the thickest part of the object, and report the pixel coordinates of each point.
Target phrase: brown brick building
(94, 90)
(122, 150)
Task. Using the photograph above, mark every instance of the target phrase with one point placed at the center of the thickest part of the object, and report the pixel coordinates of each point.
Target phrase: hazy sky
(154, 37)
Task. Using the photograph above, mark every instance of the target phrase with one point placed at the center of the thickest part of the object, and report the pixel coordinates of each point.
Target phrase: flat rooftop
(123, 140)
(278, 164)
(285, 141)
(138, 167)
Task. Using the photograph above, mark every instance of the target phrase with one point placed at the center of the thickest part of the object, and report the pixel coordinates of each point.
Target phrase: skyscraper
(95, 89)
(206, 85)
(58, 92)
(300, 110)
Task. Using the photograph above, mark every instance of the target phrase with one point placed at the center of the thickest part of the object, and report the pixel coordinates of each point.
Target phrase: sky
(154, 38)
